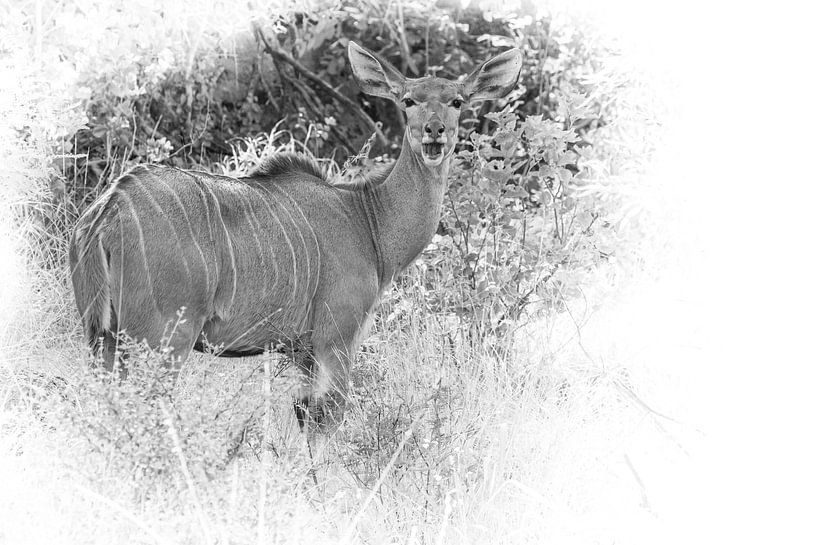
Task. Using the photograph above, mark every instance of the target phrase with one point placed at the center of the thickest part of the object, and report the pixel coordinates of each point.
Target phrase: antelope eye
(456, 103)
(408, 103)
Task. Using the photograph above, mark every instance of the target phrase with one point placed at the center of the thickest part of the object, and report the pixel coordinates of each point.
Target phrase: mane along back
(287, 163)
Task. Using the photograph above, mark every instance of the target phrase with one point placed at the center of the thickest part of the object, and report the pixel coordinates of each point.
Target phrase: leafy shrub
(125, 422)
(513, 221)
(159, 96)
(150, 432)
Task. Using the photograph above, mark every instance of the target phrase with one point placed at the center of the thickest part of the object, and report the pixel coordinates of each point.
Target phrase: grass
(442, 444)
(576, 434)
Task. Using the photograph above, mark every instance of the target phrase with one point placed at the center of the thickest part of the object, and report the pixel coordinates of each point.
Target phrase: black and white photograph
(406, 272)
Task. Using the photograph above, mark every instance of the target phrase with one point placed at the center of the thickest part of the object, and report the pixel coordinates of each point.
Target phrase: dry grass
(441, 444)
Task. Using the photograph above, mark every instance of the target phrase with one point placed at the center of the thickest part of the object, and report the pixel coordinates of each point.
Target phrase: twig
(359, 157)
(312, 471)
(447, 510)
(543, 75)
(645, 501)
(239, 438)
(347, 536)
(265, 458)
(637, 400)
(267, 88)
(177, 447)
(427, 28)
(238, 392)
(279, 55)
(308, 94)
(408, 62)
(122, 511)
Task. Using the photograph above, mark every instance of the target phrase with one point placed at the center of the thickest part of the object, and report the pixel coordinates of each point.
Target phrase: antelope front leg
(321, 401)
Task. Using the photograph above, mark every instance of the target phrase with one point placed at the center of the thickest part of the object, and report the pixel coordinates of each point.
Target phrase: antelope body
(281, 258)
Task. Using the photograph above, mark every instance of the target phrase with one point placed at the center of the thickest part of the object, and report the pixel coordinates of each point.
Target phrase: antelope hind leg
(179, 338)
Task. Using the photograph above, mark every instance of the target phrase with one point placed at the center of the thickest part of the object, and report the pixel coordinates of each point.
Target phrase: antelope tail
(90, 277)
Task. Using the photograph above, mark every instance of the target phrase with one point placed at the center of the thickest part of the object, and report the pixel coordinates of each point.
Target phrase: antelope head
(432, 105)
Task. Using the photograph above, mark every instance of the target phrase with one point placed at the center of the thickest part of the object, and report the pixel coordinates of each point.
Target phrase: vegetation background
(540, 374)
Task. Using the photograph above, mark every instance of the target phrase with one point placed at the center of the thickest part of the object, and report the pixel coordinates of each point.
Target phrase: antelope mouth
(433, 150)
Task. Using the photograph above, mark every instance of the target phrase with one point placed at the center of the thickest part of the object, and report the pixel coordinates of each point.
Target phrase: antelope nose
(435, 128)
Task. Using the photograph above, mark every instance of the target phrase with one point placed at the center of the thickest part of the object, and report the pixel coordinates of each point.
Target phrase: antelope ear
(375, 77)
(494, 78)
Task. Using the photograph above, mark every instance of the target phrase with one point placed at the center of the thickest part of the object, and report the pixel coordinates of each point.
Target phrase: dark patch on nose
(434, 128)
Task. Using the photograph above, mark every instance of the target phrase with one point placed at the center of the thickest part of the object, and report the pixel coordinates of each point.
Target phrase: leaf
(497, 171)
(497, 40)
(514, 192)
(565, 175)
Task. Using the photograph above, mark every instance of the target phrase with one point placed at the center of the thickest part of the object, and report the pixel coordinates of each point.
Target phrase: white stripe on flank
(303, 244)
(86, 247)
(125, 196)
(121, 276)
(308, 254)
(289, 243)
(273, 264)
(255, 226)
(167, 219)
(206, 209)
(84, 257)
(229, 245)
(105, 319)
(189, 228)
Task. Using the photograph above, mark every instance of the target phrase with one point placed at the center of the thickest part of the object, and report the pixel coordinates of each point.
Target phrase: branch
(281, 56)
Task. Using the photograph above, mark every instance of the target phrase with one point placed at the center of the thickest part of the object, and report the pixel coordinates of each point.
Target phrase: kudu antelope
(279, 259)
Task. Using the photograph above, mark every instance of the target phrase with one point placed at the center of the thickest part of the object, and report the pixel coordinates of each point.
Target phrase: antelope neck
(404, 210)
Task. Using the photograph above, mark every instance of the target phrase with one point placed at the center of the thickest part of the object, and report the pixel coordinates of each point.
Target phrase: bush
(149, 433)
